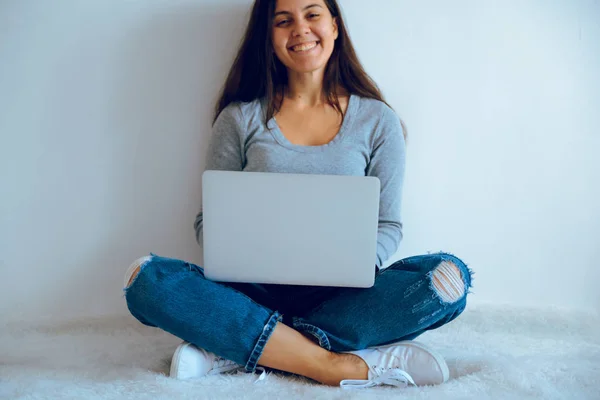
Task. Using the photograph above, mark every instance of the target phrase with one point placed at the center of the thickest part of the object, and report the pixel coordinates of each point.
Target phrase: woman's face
(304, 34)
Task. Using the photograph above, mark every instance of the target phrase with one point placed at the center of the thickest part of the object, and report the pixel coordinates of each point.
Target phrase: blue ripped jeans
(235, 320)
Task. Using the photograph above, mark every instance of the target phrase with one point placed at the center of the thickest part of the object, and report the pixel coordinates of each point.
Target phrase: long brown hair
(257, 72)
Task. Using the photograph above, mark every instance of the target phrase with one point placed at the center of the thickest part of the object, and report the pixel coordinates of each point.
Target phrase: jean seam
(319, 307)
(262, 341)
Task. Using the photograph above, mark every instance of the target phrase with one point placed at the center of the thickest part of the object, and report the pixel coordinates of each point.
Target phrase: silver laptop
(298, 229)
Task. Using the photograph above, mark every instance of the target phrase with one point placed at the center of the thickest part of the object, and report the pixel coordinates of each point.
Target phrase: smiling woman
(266, 58)
(303, 41)
(303, 38)
(297, 100)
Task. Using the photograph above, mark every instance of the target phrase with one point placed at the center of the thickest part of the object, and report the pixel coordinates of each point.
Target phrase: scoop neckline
(346, 124)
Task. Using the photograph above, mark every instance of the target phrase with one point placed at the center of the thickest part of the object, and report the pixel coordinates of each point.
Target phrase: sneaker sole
(437, 356)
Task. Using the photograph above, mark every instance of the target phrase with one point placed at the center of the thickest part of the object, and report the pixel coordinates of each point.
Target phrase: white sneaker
(400, 364)
(190, 362)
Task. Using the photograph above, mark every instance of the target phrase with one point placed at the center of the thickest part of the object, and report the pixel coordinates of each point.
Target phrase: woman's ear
(335, 28)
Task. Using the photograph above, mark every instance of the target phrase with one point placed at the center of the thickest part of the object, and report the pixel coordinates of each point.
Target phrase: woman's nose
(301, 28)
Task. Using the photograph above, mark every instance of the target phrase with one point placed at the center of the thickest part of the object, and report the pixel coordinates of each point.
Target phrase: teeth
(305, 46)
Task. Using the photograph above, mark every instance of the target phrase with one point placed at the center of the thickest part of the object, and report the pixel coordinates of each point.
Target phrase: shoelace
(262, 376)
(391, 377)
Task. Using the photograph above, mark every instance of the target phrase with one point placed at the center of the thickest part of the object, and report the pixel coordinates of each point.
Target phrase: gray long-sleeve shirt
(370, 142)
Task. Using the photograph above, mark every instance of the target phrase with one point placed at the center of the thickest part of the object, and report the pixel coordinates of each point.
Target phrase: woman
(298, 101)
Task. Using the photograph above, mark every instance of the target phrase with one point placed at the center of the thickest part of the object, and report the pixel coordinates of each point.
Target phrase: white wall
(105, 116)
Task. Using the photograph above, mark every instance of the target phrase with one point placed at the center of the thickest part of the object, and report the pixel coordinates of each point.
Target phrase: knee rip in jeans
(134, 269)
(447, 281)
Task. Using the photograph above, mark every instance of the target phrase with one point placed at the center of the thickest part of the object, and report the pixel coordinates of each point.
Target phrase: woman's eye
(311, 16)
(282, 22)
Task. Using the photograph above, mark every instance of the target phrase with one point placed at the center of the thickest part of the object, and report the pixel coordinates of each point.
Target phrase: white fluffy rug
(493, 352)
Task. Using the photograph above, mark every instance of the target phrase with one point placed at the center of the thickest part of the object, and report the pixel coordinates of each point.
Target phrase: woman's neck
(306, 88)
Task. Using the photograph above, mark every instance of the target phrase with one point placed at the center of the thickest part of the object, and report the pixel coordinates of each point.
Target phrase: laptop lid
(301, 229)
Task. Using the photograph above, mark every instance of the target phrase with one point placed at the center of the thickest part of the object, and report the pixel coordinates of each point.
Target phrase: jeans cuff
(301, 326)
(262, 341)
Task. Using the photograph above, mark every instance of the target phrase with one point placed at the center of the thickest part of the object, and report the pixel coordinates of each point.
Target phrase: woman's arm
(226, 149)
(388, 160)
